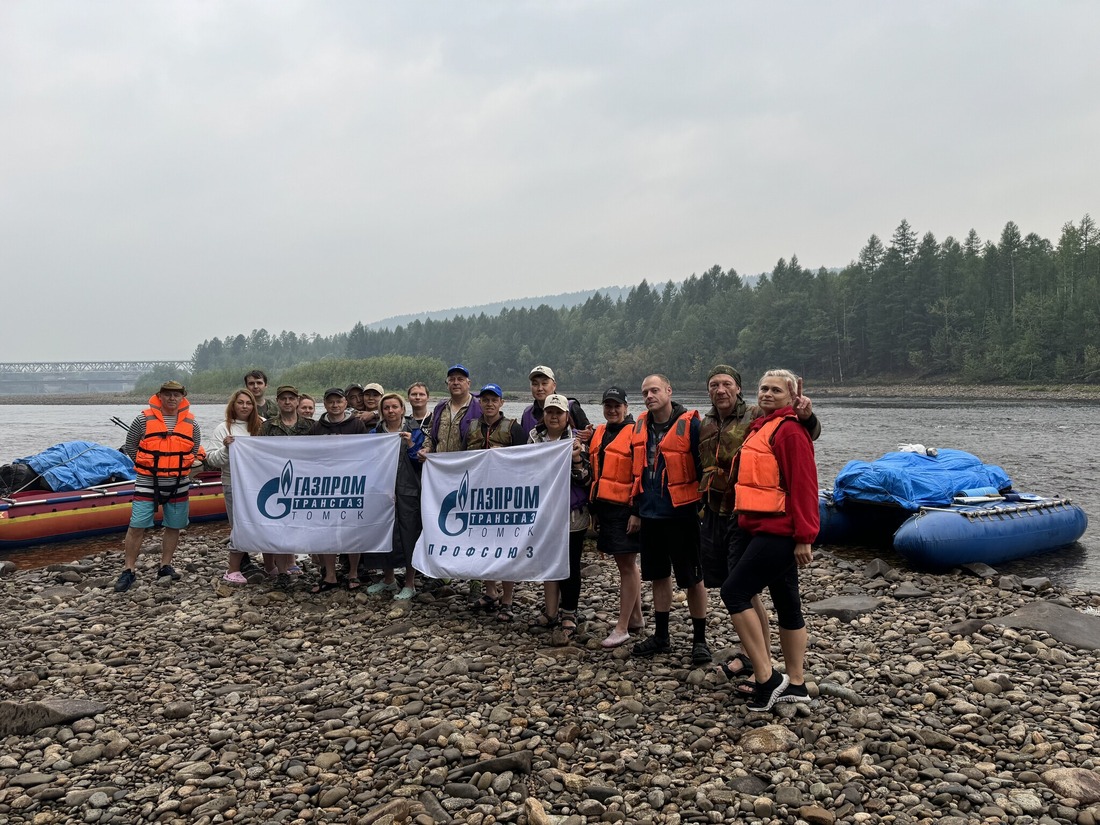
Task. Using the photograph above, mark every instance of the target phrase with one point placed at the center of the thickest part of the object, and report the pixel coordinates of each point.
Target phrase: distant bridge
(77, 377)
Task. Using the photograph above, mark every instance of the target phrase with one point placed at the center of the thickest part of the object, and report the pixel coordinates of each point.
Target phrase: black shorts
(612, 537)
(671, 545)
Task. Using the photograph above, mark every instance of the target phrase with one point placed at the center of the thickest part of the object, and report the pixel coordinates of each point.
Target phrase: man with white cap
(543, 384)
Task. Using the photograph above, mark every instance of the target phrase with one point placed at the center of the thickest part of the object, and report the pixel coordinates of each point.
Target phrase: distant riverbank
(972, 392)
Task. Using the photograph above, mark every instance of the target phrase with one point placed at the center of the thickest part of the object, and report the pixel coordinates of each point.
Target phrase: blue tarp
(915, 480)
(74, 465)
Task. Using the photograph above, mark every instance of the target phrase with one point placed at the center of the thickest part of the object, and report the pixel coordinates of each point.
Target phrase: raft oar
(11, 504)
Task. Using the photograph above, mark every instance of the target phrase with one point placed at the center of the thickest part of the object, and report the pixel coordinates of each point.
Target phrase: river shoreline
(255, 704)
(930, 392)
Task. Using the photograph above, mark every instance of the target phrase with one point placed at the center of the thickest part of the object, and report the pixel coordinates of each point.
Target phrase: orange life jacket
(612, 466)
(163, 454)
(675, 448)
(759, 487)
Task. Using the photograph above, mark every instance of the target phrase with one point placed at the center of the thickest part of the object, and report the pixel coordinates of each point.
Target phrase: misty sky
(171, 172)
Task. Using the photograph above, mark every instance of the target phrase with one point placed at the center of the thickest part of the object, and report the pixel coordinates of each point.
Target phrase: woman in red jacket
(777, 521)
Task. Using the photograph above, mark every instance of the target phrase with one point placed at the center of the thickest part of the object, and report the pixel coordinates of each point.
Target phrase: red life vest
(759, 488)
(163, 454)
(675, 448)
(612, 466)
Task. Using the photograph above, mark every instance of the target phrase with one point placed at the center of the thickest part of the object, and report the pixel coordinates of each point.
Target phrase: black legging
(571, 587)
(764, 560)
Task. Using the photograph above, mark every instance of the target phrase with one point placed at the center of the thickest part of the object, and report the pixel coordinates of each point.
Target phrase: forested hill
(565, 299)
(1015, 309)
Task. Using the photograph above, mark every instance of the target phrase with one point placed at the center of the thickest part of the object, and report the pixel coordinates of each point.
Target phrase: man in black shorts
(665, 445)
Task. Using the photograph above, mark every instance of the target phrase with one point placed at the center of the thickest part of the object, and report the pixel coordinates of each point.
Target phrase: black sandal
(354, 584)
(745, 689)
(744, 670)
(490, 604)
(543, 621)
(324, 586)
(568, 628)
(504, 612)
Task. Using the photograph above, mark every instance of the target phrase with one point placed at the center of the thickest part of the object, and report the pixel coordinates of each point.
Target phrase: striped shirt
(146, 486)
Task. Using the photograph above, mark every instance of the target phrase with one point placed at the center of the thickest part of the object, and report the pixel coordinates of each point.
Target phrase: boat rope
(1002, 512)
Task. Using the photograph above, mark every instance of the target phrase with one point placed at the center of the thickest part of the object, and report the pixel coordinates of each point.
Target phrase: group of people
(726, 500)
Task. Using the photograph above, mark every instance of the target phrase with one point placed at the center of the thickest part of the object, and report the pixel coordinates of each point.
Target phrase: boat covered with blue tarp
(75, 465)
(942, 508)
(911, 480)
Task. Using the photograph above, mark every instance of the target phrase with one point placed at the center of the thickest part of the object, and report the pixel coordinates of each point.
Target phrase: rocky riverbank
(193, 702)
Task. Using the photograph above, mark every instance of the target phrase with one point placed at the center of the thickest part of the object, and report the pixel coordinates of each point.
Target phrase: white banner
(496, 514)
(319, 494)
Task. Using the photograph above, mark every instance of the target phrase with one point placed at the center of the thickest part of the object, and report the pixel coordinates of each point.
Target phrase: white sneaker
(764, 699)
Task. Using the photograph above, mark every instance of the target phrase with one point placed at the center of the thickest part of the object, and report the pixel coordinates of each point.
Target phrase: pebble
(198, 704)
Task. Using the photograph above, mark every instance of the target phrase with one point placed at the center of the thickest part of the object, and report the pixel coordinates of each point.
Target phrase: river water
(1046, 447)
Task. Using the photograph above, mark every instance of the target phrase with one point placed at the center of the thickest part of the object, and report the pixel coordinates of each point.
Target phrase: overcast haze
(171, 172)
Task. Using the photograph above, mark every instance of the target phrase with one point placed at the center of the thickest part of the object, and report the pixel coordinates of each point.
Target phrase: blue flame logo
(450, 522)
(280, 483)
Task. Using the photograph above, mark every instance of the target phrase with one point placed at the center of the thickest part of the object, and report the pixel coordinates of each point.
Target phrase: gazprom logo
(469, 507)
(287, 493)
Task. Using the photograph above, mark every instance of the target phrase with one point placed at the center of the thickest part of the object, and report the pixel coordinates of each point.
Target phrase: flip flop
(324, 586)
(354, 584)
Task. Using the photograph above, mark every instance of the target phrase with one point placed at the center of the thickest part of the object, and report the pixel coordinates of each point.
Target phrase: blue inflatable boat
(994, 531)
(941, 509)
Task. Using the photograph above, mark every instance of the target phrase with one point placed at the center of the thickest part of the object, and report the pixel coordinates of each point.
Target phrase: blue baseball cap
(493, 389)
(458, 368)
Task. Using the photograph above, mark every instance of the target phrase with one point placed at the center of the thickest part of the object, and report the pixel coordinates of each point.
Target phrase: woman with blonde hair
(242, 419)
(775, 498)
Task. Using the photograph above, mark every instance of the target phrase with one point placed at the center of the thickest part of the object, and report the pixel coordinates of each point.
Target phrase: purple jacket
(473, 412)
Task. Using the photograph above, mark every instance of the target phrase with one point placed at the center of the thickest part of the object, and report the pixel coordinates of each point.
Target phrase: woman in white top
(242, 419)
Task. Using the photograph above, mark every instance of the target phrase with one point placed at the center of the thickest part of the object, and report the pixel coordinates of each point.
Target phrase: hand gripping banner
(496, 514)
(328, 494)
